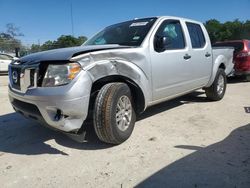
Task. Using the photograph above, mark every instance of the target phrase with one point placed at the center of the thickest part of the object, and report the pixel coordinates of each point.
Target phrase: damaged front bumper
(63, 108)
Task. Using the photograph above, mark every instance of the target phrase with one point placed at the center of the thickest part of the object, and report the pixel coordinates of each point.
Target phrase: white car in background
(5, 60)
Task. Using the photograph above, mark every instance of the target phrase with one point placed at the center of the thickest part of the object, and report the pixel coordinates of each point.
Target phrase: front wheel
(217, 90)
(114, 115)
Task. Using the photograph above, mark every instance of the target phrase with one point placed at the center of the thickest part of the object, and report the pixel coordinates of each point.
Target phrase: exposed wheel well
(137, 94)
(222, 66)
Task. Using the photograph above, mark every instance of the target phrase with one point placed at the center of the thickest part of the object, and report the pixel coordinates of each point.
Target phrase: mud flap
(79, 137)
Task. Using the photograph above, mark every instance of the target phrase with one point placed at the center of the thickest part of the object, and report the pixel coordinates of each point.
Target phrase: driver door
(170, 65)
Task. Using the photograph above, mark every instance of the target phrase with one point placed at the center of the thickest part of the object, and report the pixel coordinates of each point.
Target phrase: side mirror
(161, 43)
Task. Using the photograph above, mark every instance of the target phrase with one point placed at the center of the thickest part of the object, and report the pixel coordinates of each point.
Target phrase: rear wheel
(114, 115)
(217, 90)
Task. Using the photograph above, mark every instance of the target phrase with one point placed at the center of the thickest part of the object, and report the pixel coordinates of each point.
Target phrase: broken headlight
(57, 75)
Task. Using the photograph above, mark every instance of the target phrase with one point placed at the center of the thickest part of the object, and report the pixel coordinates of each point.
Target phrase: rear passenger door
(201, 53)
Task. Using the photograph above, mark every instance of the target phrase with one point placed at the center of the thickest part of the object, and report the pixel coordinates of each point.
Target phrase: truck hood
(65, 54)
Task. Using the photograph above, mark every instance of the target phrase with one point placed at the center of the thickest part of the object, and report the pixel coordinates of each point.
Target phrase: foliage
(230, 30)
(8, 40)
(13, 31)
(62, 42)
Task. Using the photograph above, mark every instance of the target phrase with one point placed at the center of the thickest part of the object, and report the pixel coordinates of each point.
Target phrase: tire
(217, 90)
(113, 120)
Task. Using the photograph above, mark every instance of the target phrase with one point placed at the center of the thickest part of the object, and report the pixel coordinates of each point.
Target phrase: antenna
(72, 23)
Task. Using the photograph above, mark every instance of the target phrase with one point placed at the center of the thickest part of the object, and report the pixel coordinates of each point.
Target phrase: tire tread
(102, 112)
(211, 92)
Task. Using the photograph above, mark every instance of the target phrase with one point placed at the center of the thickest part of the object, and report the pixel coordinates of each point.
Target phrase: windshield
(130, 33)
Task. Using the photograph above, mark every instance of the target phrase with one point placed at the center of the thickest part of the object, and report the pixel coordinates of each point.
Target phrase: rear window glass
(238, 46)
(196, 35)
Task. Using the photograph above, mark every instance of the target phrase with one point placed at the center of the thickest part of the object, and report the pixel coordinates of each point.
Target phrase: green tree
(81, 40)
(68, 41)
(230, 30)
(35, 48)
(245, 33)
(13, 30)
(8, 40)
(62, 42)
(213, 27)
(48, 45)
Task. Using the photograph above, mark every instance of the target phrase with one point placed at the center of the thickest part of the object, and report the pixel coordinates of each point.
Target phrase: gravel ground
(186, 142)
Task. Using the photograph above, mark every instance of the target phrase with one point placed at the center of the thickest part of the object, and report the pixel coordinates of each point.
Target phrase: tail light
(243, 54)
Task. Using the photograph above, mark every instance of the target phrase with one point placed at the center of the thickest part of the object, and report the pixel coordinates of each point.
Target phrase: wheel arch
(222, 66)
(136, 91)
(105, 72)
(218, 63)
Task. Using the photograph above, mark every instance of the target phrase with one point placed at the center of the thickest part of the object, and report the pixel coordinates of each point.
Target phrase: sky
(42, 20)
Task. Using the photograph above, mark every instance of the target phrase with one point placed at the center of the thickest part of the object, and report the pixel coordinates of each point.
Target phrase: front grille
(15, 77)
(23, 77)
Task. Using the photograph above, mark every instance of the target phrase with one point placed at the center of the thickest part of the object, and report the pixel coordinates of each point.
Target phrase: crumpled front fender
(122, 68)
(110, 64)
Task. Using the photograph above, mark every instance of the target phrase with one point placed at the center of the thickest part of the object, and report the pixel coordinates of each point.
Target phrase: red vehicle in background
(241, 56)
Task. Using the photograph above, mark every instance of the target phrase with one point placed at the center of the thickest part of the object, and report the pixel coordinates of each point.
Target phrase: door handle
(207, 54)
(187, 56)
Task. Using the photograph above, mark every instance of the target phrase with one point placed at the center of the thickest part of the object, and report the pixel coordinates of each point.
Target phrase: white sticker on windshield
(136, 37)
(138, 24)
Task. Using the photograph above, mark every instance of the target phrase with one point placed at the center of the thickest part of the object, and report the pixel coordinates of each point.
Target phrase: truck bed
(227, 52)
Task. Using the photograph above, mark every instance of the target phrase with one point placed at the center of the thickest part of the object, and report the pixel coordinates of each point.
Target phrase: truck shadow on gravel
(223, 164)
(194, 97)
(21, 136)
(236, 80)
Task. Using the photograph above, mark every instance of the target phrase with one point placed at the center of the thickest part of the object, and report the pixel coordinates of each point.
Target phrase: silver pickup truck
(117, 74)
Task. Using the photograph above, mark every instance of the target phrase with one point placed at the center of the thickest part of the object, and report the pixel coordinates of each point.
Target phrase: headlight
(58, 75)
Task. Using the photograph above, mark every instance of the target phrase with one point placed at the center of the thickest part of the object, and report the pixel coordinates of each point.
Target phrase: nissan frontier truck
(117, 74)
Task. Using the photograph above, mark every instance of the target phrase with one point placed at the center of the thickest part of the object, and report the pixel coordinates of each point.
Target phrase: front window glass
(130, 33)
(172, 31)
